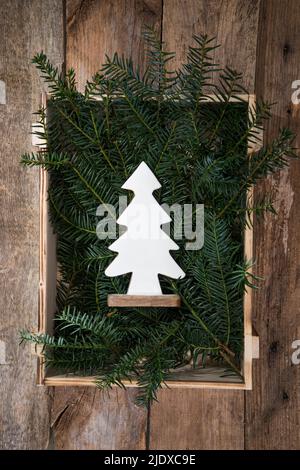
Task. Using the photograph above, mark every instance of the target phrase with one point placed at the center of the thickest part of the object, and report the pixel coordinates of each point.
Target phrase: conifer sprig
(196, 144)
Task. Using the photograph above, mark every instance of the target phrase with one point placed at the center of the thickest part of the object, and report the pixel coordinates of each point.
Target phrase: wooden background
(260, 38)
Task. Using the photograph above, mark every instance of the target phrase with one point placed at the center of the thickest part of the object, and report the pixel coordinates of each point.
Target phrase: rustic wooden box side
(209, 377)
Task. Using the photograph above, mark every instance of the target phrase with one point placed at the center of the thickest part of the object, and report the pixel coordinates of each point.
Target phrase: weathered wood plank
(86, 418)
(196, 419)
(233, 23)
(24, 408)
(272, 408)
(206, 419)
(96, 28)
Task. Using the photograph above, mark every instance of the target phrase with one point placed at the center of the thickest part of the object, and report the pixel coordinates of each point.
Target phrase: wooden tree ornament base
(124, 300)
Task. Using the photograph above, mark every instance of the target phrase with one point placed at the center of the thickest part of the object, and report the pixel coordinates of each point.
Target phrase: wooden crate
(213, 377)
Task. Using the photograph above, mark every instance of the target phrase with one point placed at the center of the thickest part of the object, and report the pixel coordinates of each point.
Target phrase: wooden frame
(209, 377)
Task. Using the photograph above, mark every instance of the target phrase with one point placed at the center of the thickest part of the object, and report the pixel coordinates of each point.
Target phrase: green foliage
(198, 150)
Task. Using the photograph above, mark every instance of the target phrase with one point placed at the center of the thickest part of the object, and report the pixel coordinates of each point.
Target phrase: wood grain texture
(97, 27)
(206, 419)
(273, 407)
(195, 419)
(94, 28)
(24, 408)
(232, 22)
(85, 418)
(167, 300)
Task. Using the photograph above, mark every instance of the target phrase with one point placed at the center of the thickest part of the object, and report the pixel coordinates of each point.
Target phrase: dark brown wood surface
(259, 38)
(273, 407)
(24, 407)
(85, 418)
(197, 419)
(233, 24)
(99, 27)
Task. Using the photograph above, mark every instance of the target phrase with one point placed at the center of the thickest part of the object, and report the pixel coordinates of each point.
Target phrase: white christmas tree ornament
(144, 249)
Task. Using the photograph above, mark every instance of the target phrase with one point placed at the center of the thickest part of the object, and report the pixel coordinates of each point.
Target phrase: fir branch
(45, 159)
(267, 160)
(198, 149)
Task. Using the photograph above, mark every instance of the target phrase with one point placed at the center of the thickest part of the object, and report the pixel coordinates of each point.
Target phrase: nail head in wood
(120, 300)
